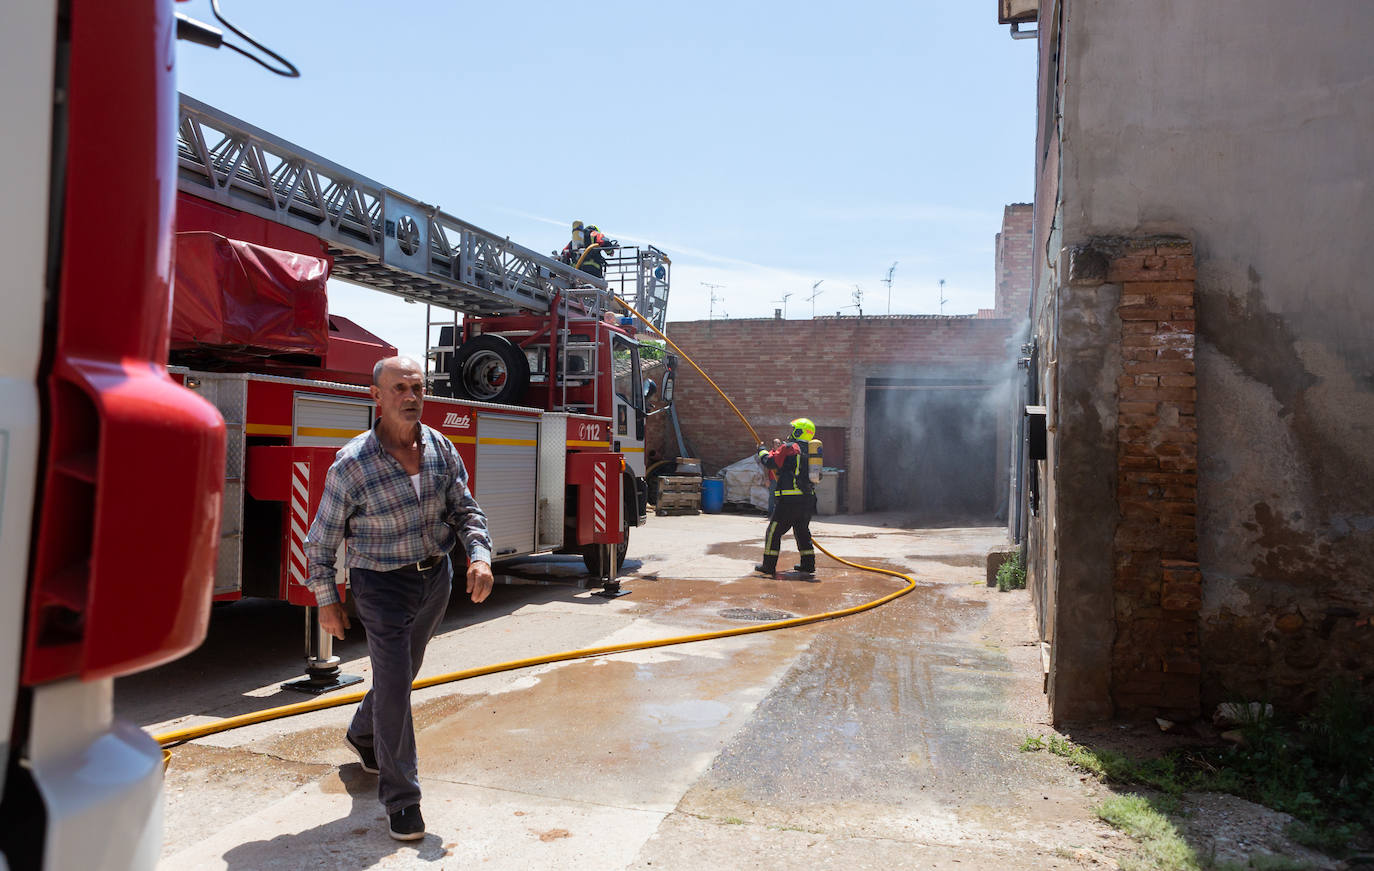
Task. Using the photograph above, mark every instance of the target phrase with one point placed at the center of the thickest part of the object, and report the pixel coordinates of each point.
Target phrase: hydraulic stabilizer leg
(610, 584)
(321, 665)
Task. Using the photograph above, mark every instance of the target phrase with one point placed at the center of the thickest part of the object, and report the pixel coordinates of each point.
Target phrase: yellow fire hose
(179, 736)
(629, 308)
(586, 251)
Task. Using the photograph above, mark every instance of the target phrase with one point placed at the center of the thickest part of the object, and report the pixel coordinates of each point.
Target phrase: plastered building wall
(1241, 129)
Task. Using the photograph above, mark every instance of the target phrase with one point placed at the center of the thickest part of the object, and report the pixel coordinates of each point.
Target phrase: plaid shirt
(370, 501)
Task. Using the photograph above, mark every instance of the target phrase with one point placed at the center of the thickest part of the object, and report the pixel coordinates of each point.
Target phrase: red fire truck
(110, 472)
(533, 374)
(128, 502)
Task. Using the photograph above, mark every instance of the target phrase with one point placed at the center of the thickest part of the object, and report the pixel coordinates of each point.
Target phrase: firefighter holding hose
(795, 465)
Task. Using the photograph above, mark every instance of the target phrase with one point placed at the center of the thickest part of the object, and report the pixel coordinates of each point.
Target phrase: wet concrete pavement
(887, 739)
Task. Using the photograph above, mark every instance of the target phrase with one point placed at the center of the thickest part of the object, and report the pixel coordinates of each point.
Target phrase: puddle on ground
(640, 729)
(864, 701)
(697, 604)
(879, 708)
(686, 714)
(762, 615)
(961, 560)
(740, 550)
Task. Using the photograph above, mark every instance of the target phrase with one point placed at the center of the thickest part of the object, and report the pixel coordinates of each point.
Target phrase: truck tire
(591, 553)
(489, 369)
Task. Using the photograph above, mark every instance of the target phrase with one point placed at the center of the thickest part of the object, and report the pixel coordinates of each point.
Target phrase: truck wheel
(489, 369)
(592, 553)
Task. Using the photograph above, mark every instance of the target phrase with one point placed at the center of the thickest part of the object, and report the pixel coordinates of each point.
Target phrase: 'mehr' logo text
(457, 421)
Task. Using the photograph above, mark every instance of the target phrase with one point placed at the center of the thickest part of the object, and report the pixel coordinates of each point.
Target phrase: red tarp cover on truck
(248, 298)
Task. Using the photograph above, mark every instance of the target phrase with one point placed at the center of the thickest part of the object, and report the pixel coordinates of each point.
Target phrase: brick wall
(1156, 583)
(775, 370)
(1014, 261)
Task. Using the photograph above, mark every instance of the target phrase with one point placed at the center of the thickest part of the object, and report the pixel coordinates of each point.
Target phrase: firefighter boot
(765, 569)
(805, 571)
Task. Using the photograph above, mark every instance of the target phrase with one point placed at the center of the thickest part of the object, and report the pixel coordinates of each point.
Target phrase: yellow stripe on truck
(461, 440)
(577, 444)
(325, 432)
(267, 429)
(522, 443)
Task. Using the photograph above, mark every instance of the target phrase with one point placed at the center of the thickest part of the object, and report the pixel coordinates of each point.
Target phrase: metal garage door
(930, 449)
(507, 472)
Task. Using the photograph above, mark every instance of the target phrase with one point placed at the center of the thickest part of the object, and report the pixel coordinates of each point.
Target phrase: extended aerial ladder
(558, 328)
(385, 240)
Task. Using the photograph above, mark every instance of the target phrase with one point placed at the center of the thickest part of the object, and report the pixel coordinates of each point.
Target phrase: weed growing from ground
(1318, 768)
(1162, 848)
(1011, 575)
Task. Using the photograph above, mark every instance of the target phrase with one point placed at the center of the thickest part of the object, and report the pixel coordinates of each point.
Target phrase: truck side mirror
(669, 377)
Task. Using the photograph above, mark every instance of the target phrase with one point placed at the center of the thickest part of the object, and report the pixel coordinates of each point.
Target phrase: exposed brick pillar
(1157, 586)
(1013, 261)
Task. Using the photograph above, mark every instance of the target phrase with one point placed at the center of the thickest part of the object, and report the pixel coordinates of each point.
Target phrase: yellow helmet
(577, 225)
(803, 430)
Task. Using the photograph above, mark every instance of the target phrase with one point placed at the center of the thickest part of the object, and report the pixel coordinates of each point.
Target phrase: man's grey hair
(381, 365)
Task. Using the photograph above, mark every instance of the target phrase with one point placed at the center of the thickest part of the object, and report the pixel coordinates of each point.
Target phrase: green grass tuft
(1319, 769)
(1011, 575)
(1161, 848)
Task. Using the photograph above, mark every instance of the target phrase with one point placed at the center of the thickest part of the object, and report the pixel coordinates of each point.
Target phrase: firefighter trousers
(794, 513)
(400, 610)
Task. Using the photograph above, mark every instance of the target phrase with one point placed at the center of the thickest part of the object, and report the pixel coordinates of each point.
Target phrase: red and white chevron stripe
(599, 497)
(300, 513)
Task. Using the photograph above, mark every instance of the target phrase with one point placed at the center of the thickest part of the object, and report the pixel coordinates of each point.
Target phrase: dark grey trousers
(400, 611)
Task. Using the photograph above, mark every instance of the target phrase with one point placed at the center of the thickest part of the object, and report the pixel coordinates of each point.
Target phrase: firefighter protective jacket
(797, 465)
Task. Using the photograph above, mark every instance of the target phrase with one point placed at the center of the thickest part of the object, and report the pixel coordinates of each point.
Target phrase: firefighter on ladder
(797, 464)
(587, 249)
(592, 258)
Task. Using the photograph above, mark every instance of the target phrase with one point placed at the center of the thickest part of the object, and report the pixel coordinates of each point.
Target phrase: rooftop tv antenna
(814, 293)
(784, 304)
(711, 314)
(858, 298)
(942, 298)
(888, 281)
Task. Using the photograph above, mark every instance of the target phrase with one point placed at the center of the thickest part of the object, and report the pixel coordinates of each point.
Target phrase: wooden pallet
(678, 495)
(678, 500)
(679, 484)
(676, 512)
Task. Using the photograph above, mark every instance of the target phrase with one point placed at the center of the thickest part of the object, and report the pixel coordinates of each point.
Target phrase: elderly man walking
(398, 496)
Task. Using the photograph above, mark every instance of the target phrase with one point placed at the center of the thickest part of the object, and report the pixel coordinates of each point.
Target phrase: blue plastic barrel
(712, 495)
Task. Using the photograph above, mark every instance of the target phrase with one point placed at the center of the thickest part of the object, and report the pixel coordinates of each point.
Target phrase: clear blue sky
(763, 145)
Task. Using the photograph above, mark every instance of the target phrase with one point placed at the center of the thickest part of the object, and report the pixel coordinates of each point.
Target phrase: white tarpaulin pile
(745, 483)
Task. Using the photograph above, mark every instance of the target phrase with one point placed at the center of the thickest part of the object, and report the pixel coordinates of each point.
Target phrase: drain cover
(759, 614)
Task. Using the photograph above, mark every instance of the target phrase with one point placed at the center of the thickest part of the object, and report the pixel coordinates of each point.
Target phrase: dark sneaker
(365, 754)
(803, 570)
(407, 824)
